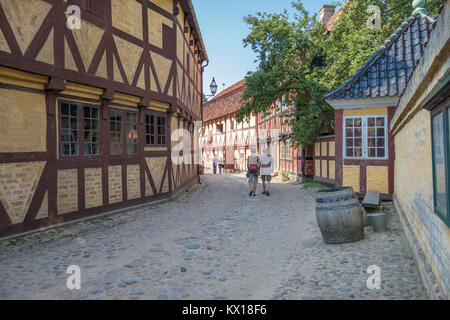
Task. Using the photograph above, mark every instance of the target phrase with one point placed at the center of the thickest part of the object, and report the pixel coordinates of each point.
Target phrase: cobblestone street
(213, 242)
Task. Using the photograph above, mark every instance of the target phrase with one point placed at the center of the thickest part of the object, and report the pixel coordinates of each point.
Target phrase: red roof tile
(226, 102)
(332, 22)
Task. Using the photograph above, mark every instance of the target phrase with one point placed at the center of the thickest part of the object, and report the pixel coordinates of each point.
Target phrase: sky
(223, 29)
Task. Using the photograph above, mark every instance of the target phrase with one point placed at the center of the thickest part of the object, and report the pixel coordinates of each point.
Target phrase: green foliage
(285, 176)
(314, 185)
(299, 60)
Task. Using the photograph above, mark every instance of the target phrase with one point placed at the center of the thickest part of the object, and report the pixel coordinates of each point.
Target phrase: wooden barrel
(339, 215)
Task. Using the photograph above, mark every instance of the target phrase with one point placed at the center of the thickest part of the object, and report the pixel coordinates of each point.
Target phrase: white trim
(364, 138)
(339, 104)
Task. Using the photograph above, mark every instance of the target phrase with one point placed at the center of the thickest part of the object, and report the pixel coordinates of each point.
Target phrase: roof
(236, 86)
(226, 102)
(332, 21)
(387, 71)
(203, 52)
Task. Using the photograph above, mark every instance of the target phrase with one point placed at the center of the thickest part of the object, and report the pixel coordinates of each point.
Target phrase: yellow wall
(332, 169)
(414, 191)
(351, 177)
(378, 179)
(331, 146)
(127, 16)
(323, 147)
(23, 124)
(365, 112)
(317, 149)
(324, 169)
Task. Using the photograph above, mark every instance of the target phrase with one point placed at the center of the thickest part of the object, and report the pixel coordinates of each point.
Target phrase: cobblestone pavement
(213, 242)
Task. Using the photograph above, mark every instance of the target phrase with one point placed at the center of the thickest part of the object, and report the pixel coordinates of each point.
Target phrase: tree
(300, 61)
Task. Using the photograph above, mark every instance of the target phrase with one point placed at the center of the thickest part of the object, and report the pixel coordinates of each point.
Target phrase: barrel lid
(335, 189)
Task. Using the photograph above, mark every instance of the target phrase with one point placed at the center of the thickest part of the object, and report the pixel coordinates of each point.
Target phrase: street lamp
(213, 88)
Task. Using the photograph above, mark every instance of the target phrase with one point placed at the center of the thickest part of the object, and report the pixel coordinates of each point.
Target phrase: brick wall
(18, 182)
(133, 182)
(93, 187)
(43, 211)
(67, 191)
(115, 184)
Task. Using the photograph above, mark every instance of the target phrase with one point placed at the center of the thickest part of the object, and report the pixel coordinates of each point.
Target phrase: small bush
(285, 176)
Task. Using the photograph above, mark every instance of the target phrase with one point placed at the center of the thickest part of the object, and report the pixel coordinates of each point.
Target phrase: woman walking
(253, 171)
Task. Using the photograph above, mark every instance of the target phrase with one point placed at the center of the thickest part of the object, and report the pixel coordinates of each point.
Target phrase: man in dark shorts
(266, 164)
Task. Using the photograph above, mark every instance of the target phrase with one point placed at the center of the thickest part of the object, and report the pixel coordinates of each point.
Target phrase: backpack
(253, 168)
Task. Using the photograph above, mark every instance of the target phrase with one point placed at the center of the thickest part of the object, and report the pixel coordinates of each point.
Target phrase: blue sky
(223, 29)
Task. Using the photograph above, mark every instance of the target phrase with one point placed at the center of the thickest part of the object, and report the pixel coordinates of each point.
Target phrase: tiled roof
(331, 23)
(387, 71)
(226, 102)
(237, 85)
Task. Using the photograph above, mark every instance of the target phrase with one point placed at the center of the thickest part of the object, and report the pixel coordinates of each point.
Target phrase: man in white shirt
(214, 164)
(266, 164)
(220, 165)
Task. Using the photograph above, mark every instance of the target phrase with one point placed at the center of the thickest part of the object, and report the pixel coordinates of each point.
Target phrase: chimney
(326, 12)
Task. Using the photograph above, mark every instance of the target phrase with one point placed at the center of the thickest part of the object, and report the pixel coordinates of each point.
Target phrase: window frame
(156, 114)
(80, 129)
(444, 108)
(123, 132)
(364, 137)
(286, 148)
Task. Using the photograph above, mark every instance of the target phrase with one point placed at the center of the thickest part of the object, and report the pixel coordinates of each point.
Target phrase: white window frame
(286, 149)
(365, 153)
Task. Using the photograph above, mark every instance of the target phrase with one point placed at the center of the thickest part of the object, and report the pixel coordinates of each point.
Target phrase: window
(91, 133)
(132, 134)
(149, 129)
(115, 130)
(365, 137)
(279, 106)
(69, 129)
(220, 128)
(155, 129)
(161, 122)
(283, 104)
(286, 150)
(123, 124)
(440, 123)
(76, 137)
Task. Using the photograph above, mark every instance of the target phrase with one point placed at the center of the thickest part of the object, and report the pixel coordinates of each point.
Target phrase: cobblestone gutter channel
(213, 242)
